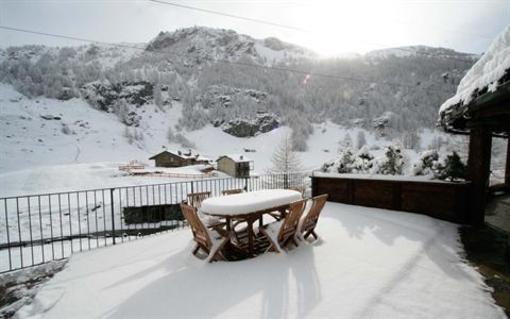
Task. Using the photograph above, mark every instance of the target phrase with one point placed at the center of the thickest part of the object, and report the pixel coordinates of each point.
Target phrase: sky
(326, 27)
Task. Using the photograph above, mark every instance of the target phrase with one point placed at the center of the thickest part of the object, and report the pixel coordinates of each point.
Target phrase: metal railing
(39, 228)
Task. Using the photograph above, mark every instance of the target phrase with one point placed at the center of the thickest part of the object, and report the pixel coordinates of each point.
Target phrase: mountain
(200, 45)
(241, 85)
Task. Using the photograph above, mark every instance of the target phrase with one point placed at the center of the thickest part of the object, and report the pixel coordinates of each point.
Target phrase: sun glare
(346, 26)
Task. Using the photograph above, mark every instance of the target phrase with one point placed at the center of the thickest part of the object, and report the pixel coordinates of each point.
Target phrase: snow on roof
(184, 154)
(238, 158)
(486, 73)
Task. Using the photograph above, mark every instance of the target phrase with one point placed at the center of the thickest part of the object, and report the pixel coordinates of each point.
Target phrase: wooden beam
(507, 168)
(480, 144)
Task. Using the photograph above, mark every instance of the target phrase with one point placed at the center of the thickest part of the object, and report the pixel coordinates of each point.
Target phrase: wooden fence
(446, 201)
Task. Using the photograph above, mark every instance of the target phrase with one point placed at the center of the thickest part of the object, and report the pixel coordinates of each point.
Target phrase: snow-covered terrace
(369, 263)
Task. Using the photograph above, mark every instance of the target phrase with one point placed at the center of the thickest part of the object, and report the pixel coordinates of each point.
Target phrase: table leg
(227, 221)
(250, 236)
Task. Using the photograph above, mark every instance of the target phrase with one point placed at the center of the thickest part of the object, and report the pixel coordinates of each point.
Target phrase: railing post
(113, 215)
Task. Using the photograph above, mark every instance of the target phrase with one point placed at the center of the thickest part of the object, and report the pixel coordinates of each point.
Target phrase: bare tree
(285, 161)
(361, 140)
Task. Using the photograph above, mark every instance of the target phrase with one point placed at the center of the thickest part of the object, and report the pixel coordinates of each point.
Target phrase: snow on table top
(485, 73)
(371, 263)
(249, 202)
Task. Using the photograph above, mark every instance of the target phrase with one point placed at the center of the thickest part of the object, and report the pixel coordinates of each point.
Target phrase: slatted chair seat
(309, 221)
(205, 240)
(283, 232)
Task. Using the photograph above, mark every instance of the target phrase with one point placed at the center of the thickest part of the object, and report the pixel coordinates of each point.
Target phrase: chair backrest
(290, 223)
(200, 233)
(196, 199)
(310, 220)
(232, 191)
(298, 189)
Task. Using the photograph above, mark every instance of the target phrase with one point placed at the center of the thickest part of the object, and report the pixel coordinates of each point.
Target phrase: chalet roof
(189, 154)
(238, 158)
(486, 84)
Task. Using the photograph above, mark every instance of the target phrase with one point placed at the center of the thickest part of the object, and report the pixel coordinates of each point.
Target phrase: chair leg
(314, 234)
(195, 250)
(272, 245)
(217, 254)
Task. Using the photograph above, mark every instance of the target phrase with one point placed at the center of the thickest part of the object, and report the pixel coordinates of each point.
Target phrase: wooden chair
(298, 189)
(204, 240)
(281, 233)
(232, 191)
(196, 199)
(309, 222)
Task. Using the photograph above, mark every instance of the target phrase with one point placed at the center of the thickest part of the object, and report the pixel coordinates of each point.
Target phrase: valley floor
(369, 263)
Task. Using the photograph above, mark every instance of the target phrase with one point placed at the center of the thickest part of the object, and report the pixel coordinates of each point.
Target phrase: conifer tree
(393, 163)
(453, 169)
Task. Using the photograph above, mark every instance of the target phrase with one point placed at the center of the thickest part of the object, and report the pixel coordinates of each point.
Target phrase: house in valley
(235, 165)
(169, 158)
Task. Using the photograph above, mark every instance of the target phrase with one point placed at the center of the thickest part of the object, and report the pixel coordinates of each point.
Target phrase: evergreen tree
(345, 163)
(158, 98)
(427, 163)
(453, 169)
(393, 163)
(364, 160)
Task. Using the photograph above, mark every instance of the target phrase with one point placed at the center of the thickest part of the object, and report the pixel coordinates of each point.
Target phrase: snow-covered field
(369, 263)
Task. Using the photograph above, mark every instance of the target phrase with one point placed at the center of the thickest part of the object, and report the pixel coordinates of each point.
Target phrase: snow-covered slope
(420, 50)
(76, 146)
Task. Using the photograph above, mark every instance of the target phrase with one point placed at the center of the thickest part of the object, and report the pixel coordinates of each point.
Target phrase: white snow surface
(424, 178)
(485, 73)
(249, 202)
(369, 263)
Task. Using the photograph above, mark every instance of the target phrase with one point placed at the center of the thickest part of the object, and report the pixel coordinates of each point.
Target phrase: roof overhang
(490, 110)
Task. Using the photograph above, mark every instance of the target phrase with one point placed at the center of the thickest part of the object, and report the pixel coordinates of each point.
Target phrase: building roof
(486, 81)
(189, 154)
(238, 158)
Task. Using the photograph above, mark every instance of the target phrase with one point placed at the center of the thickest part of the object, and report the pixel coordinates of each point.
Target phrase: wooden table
(249, 207)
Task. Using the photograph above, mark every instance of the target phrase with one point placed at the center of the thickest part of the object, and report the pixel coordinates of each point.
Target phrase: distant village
(190, 164)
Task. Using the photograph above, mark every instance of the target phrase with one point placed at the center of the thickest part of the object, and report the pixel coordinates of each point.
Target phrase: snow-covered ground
(369, 263)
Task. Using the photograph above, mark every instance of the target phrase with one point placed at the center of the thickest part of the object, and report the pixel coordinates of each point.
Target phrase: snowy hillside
(189, 65)
(53, 145)
(86, 109)
(418, 50)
